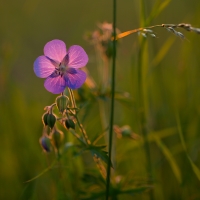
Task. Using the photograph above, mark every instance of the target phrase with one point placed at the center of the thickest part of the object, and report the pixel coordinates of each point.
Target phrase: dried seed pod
(144, 35)
(147, 30)
(181, 35)
(170, 29)
(153, 35)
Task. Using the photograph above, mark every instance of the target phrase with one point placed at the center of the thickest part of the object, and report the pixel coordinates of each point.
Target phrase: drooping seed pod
(51, 120)
(44, 118)
(69, 123)
(45, 143)
(61, 102)
(57, 137)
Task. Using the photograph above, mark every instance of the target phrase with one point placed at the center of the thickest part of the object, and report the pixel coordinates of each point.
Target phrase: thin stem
(97, 160)
(187, 27)
(43, 172)
(141, 99)
(73, 102)
(83, 131)
(112, 100)
(77, 136)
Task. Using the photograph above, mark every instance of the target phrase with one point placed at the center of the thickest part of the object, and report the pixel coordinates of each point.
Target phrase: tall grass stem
(112, 100)
(141, 97)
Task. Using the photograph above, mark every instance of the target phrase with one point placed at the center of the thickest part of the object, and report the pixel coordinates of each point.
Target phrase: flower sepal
(61, 102)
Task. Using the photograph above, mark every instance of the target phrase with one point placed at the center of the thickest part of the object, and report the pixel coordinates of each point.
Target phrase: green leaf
(163, 51)
(157, 10)
(99, 152)
(170, 159)
(135, 190)
(43, 172)
(195, 169)
(115, 192)
(124, 98)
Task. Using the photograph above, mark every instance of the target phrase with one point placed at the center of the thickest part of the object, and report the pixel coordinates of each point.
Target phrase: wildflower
(60, 66)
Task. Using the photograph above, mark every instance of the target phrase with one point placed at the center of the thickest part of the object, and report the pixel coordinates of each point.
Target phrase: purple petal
(65, 60)
(56, 50)
(75, 78)
(55, 84)
(43, 67)
(77, 57)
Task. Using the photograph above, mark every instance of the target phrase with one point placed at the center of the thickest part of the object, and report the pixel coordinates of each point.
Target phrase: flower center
(61, 69)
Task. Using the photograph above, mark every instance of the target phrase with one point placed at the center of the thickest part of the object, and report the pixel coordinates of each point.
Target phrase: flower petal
(77, 57)
(56, 50)
(43, 67)
(75, 78)
(55, 84)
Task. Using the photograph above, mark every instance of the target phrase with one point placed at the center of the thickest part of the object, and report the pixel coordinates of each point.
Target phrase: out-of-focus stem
(105, 75)
(112, 101)
(141, 100)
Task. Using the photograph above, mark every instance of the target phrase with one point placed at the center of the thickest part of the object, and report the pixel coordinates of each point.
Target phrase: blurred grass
(172, 82)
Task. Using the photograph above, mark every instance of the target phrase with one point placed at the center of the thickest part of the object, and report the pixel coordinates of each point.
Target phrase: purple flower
(60, 66)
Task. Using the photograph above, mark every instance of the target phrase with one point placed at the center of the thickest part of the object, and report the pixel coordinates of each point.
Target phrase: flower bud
(57, 137)
(109, 49)
(45, 143)
(69, 123)
(51, 120)
(61, 102)
(126, 130)
(44, 118)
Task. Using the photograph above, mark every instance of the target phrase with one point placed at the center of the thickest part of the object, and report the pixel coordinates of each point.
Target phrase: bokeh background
(172, 84)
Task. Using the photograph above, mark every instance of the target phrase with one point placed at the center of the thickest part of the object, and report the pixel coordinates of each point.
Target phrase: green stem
(96, 159)
(112, 100)
(85, 136)
(141, 100)
(73, 102)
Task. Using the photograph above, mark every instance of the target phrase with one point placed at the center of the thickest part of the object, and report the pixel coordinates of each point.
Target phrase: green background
(172, 84)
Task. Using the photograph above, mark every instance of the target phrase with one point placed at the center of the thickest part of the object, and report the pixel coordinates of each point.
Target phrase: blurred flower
(125, 131)
(102, 39)
(60, 66)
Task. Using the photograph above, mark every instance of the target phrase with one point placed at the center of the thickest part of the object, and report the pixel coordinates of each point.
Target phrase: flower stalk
(112, 101)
